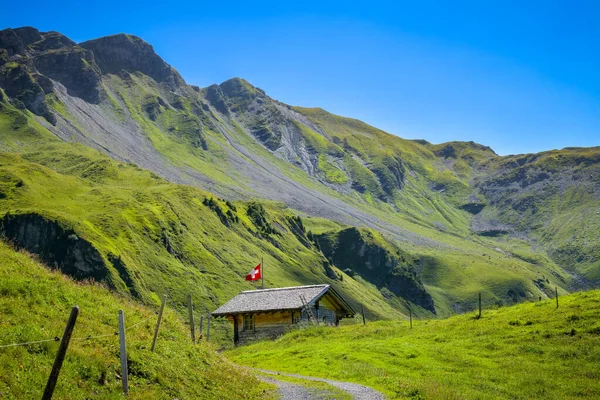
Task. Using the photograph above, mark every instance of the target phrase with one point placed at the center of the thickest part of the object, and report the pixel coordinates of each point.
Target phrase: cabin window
(296, 317)
(248, 322)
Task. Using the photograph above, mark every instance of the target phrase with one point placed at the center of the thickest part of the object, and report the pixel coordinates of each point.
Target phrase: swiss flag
(254, 274)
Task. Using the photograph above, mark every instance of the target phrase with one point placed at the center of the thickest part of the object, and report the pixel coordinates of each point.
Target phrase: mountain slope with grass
(552, 200)
(532, 350)
(94, 218)
(35, 303)
(435, 221)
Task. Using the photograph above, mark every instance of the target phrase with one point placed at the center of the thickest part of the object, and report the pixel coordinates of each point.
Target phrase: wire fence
(64, 341)
(89, 337)
(66, 338)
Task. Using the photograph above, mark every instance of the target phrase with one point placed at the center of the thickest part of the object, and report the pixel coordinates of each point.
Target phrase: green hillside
(553, 198)
(143, 236)
(526, 351)
(452, 219)
(35, 304)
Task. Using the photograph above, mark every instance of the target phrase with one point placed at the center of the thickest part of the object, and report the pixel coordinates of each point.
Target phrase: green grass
(19, 130)
(332, 173)
(127, 212)
(526, 351)
(35, 303)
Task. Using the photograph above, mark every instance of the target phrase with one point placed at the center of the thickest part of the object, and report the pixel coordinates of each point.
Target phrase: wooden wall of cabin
(272, 324)
(265, 325)
(327, 311)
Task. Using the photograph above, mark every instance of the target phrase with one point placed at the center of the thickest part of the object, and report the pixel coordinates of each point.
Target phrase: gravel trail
(358, 392)
(291, 391)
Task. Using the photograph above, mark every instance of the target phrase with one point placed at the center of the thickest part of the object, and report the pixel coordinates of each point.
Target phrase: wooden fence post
(410, 316)
(362, 311)
(60, 355)
(160, 314)
(479, 316)
(201, 330)
(124, 373)
(556, 292)
(191, 315)
(208, 327)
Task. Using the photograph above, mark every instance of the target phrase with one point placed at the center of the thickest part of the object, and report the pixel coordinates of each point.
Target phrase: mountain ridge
(466, 215)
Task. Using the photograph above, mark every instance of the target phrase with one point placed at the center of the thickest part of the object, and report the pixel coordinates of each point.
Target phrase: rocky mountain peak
(240, 88)
(52, 41)
(28, 35)
(131, 53)
(234, 95)
(30, 61)
(18, 41)
(12, 42)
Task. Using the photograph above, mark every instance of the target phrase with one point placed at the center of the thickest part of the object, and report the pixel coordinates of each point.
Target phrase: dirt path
(291, 391)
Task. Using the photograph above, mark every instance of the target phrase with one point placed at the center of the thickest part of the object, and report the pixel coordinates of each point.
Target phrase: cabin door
(236, 335)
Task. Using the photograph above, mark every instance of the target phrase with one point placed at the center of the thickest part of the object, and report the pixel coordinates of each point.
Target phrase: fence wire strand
(140, 323)
(55, 339)
(89, 337)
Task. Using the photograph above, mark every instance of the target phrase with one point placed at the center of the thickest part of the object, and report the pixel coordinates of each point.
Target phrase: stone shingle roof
(271, 299)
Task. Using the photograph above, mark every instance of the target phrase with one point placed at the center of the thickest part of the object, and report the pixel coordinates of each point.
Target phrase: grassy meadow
(532, 350)
(35, 304)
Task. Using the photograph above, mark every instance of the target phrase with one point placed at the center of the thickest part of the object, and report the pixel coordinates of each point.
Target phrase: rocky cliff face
(365, 253)
(130, 53)
(31, 60)
(57, 246)
(73, 67)
(24, 89)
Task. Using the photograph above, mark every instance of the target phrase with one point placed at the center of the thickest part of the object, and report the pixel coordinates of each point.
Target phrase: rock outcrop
(30, 61)
(363, 252)
(126, 52)
(24, 90)
(57, 246)
(252, 108)
(75, 68)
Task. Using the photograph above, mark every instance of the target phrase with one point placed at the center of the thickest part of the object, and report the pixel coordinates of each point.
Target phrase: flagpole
(262, 271)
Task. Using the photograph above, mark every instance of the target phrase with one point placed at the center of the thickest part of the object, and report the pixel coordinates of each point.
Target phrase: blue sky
(517, 76)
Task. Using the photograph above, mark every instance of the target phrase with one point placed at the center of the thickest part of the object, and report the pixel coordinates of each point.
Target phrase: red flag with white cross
(255, 274)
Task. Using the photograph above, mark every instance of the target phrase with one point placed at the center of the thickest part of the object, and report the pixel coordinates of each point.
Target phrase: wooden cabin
(268, 313)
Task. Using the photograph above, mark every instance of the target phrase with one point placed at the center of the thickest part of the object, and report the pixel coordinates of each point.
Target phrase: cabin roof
(287, 298)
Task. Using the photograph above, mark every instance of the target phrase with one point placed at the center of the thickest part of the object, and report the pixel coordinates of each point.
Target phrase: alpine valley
(117, 173)
(114, 169)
